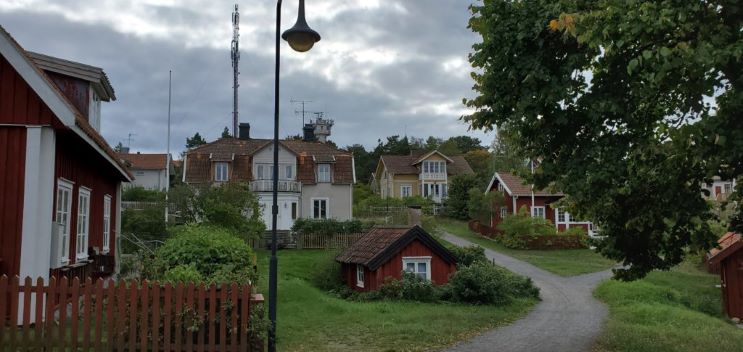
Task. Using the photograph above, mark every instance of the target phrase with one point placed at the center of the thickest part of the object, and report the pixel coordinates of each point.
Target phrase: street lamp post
(301, 38)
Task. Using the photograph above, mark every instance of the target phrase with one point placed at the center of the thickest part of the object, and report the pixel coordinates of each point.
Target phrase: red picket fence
(119, 316)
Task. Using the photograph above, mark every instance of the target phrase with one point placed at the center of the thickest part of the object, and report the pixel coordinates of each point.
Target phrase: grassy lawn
(312, 320)
(677, 310)
(566, 262)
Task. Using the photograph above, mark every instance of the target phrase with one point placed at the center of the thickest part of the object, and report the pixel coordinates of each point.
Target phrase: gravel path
(567, 319)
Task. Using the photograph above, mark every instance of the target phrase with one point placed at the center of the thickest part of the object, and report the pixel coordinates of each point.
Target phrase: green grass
(564, 262)
(309, 319)
(676, 310)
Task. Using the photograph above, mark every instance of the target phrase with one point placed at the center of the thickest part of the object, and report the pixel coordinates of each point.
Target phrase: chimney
(309, 133)
(244, 130)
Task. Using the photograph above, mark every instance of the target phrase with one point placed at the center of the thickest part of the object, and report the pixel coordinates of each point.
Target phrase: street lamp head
(301, 37)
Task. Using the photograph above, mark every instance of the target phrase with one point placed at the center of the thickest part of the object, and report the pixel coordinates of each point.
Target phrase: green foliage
(466, 256)
(633, 145)
(226, 133)
(148, 224)
(327, 273)
(410, 287)
(514, 227)
(480, 205)
(195, 141)
(182, 273)
(457, 204)
(140, 194)
(484, 283)
(574, 231)
(480, 161)
(328, 226)
(230, 205)
(212, 251)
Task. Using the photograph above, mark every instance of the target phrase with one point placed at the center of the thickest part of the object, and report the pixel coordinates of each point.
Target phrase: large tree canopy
(630, 105)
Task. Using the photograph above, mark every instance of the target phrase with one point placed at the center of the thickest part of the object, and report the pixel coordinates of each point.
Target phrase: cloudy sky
(383, 67)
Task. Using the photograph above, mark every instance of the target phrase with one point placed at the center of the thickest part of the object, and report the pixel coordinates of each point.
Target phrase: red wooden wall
(78, 162)
(76, 90)
(19, 104)
(733, 289)
(12, 170)
(549, 213)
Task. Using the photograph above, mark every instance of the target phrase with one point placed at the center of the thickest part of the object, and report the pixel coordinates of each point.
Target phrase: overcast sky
(382, 67)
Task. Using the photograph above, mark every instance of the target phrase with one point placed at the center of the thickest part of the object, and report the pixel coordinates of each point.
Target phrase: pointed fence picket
(64, 315)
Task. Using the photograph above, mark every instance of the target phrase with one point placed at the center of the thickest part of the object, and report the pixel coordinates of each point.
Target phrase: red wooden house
(517, 194)
(386, 252)
(60, 181)
(729, 257)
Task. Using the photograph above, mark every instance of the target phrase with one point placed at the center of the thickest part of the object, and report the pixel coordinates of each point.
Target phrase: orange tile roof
(519, 187)
(728, 244)
(144, 161)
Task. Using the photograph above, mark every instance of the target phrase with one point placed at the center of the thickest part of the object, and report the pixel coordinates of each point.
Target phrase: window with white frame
(289, 172)
(406, 191)
(359, 275)
(420, 266)
(319, 208)
(83, 223)
(444, 190)
(221, 172)
(500, 186)
(323, 172)
(503, 212)
(434, 167)
(728, 187)
(64, 203)
(538, 212)
(106, 223)
(561, 215)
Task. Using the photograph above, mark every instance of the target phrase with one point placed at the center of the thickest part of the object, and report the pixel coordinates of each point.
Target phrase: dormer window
(94, 110)
(323, 173)
(221, 172)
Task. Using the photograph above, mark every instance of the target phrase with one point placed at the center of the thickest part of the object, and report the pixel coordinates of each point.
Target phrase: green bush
(182, 273)
(457, 203)
(140, 194)
(514, 227)
(329, 226)
(327, 274)
(213, 251)
(410, 287)
(574, 231)
(147, 224)
(466, 256)
(484, 283)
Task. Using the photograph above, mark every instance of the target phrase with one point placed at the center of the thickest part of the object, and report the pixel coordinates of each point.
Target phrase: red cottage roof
(144, 161)
(516, 186)
(729, 243)
(380, 244)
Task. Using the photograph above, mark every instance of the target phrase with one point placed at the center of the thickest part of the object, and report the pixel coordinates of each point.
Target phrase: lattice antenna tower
(235, 54)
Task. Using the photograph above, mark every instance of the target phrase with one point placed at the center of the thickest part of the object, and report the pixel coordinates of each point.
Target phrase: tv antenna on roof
(129, 140)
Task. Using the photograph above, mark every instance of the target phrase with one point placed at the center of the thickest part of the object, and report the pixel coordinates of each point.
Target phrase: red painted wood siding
(19, 104)
(76, 90)
(77, 162)
(732, 293)
(549, 213)
(13, 161)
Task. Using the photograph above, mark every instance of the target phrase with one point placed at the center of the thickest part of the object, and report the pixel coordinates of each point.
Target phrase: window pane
(422, 268)
(410, 267)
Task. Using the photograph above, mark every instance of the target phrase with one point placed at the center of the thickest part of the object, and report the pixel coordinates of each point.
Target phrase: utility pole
(167, 154)
(235, 67)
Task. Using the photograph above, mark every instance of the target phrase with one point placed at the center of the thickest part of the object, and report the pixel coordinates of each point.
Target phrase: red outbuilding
(386, 252)
(60, 182)
(729, 257)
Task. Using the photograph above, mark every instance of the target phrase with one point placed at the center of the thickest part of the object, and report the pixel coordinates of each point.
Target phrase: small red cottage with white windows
(729, 258)
(386, 252)
(60, 181)
(518, 193)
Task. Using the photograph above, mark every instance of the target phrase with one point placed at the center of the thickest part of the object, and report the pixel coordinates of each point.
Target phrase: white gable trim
(424, 157)
(492, 181)
(33, 76)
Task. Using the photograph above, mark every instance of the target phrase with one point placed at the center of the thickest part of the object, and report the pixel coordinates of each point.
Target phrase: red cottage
(60, 183)
(386, 252)
(730, 260)
(518, 193)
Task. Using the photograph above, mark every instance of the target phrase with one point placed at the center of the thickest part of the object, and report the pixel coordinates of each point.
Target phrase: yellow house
(418, 174)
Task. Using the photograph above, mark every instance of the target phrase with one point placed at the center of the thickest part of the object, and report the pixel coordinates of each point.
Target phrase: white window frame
(289, 171)
(323, 176)
(534, 212)
(500, 187)
(82, 236)
(560, 213)
(416, 261)
(360, 275)
(327, 208)
(221, 176)
(63, 254)
(727, 188)
(404, 188)
(106, 223)
(503, 212)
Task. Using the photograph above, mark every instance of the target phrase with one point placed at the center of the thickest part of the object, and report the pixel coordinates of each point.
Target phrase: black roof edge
(416, 232)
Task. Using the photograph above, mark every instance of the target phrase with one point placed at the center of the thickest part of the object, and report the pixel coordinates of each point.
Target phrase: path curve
(567, 319)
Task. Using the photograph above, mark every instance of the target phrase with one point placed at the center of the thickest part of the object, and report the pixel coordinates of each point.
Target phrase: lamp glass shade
(301, 37)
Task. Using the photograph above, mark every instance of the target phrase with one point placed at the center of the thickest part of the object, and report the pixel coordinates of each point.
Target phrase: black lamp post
(301, 38)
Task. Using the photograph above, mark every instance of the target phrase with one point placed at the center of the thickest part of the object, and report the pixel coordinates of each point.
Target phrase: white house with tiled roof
(315, 179)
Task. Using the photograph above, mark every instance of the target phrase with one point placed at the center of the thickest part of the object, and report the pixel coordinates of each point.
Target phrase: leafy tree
(629, 105)
(466, 143)
(294, 137)
(433, 143)
(119, 148)
(226, 133)
(457, 202)
(194, 141)
(507, 155)
(480, 162)
(480, 205)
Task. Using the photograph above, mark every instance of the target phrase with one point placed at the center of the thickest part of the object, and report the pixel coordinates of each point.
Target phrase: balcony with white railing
(284, 186)
(431, 176)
